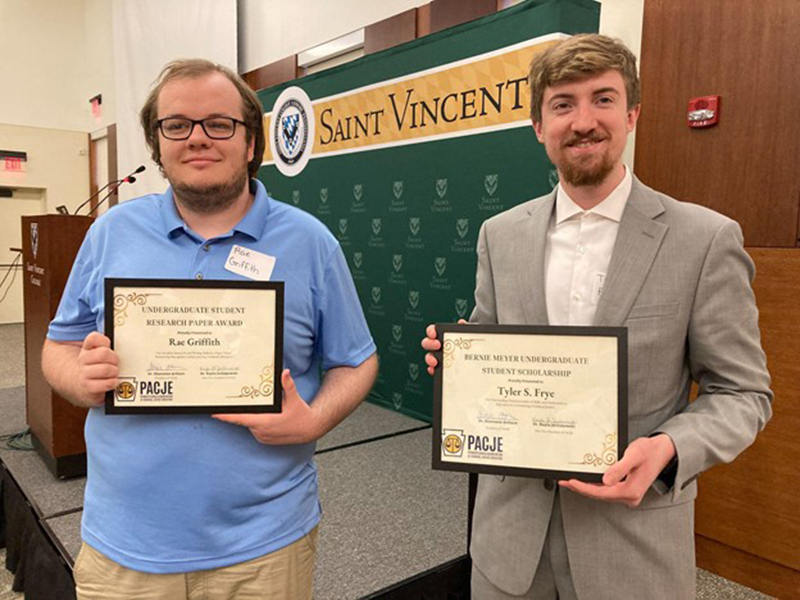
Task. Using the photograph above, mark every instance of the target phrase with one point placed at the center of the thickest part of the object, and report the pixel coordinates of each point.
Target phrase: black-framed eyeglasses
(180, 128)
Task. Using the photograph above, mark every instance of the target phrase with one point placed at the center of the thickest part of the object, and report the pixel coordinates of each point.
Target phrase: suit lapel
(530, 275)
(638, 241)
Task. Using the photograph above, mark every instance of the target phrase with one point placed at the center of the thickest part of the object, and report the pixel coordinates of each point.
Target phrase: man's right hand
(432, 344)
(98, 369)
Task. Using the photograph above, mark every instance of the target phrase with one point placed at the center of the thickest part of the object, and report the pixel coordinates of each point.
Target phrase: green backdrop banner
(403, 154)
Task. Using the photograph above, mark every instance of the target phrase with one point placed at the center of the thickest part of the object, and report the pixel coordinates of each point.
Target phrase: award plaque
(530, 401)
(195, 346)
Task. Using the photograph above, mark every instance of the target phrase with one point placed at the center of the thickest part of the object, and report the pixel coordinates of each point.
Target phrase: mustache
(579, 139)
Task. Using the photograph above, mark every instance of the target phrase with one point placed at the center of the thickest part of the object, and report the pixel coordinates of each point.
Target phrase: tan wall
(57, 170)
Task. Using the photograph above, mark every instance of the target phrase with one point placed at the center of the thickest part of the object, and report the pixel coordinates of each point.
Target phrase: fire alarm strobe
(703, 112)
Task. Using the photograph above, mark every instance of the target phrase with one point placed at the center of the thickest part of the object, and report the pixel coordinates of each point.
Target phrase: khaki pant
(286, 574)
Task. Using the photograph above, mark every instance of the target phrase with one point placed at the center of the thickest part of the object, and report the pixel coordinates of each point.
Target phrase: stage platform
(387, 517)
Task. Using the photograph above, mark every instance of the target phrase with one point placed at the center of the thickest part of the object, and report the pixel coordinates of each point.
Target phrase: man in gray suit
(603, 249)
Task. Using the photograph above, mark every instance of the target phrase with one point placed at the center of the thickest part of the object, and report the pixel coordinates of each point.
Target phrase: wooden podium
(49, 246)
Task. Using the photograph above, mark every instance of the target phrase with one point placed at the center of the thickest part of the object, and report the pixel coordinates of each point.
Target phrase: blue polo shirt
(177, 493)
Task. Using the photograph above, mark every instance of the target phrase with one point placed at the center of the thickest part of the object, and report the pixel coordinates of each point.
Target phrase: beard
(213, 197)
(586, 171)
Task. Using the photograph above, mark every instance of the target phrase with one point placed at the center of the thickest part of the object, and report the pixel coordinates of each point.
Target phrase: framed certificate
(530, 401)
(195, 346)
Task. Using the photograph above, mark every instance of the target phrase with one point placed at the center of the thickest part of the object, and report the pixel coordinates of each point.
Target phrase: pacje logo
(126, 390)
(452, 442)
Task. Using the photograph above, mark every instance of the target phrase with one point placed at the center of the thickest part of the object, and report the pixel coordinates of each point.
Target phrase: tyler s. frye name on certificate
(195, 346)
(530, 401)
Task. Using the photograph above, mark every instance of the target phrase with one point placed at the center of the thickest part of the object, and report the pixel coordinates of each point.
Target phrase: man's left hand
(628, 480)
(296, 424)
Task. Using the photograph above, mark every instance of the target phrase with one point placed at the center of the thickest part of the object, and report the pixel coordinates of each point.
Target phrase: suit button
(549, 485)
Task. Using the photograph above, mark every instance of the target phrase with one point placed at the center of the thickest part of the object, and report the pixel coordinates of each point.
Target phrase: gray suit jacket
(679, 280)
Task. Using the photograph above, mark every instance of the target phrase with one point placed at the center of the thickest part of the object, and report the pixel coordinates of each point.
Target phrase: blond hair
(579, 57)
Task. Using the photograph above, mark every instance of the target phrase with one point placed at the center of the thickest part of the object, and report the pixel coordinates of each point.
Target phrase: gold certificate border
(262, 393)
(462, 338)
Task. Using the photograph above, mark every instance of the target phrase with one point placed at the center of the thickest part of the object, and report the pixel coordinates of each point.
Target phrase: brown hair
(197, 67)
(579, 57)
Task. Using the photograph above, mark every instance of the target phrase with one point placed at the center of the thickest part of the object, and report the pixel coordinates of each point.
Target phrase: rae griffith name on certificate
(187, 346)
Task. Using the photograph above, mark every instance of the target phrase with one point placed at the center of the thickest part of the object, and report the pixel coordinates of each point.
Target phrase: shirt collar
(251, 225)
(611, 207)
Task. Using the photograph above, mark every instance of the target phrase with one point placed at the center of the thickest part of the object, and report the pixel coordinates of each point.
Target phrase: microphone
(118, 182)
(128, 179)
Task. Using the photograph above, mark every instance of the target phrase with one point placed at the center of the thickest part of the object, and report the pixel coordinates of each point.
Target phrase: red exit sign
(14, 164)
(13, 161)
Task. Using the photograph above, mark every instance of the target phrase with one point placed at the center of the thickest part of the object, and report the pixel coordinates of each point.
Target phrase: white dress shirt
(578, 250)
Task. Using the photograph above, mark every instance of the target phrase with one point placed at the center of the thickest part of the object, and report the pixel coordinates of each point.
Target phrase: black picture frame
(113, 284)
(621, 335)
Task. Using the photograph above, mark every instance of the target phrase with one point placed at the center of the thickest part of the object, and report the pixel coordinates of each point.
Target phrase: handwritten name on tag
(250, 264)
(597, 287)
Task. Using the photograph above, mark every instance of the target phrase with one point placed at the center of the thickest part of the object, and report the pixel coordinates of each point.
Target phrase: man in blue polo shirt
(181, 505)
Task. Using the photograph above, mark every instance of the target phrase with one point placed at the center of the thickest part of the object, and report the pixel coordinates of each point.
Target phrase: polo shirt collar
(611, 207)
(251, 225)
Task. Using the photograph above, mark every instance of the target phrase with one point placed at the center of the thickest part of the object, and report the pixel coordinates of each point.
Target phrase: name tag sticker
(597, 287)
(250, 264)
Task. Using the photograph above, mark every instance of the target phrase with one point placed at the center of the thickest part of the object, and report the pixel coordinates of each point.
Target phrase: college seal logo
(291, 131)
(490, 184)
(413, 298)
(34, 239)
(441, 187)
(440, 264)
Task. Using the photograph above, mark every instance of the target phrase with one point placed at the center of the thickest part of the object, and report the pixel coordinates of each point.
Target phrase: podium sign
(49, 246)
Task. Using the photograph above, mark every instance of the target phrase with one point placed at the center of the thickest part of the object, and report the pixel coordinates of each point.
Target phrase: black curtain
(39, 570)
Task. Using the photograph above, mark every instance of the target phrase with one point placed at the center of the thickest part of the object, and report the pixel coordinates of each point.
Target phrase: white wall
(98, 73)
(47, 69)
(270, 31)
(623, 19)
(58, 169)
(147, 35)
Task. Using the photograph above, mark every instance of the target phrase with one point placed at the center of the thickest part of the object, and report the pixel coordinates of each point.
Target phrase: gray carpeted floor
(360, 503)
